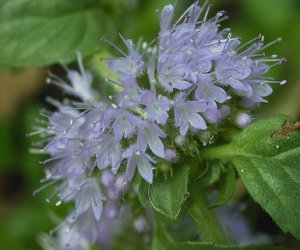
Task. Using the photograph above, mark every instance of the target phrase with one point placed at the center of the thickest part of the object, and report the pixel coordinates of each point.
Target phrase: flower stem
(223, 151)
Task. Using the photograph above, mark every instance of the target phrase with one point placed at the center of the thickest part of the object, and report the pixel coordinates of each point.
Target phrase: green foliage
(168, 194)
(143, 192)
(226, 187)
(208, 224)
(267, 157)
(159, 245)
(46, 32)
(162, 241)
(212, 173)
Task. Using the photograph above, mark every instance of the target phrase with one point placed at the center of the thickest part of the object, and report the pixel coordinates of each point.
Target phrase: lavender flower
(157, 107)
(187, 113)
(129, 66)
(149, 134)
(81, 82)
(141, 161)
(194, 69)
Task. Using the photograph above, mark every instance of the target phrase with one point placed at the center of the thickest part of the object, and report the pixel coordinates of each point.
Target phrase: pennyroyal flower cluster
(177, 86)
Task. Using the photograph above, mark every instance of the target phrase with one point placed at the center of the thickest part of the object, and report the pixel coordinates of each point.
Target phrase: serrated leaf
(46, 32)
(167, 195)
(226, 187)
(267, 157)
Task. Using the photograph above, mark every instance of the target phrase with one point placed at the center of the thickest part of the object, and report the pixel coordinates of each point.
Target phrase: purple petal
(145, 169)
(156, 146)
(130, 167)
(184, 127)
(181, 84)
(97, 209)
(141, 141)
(166, 17)
(197, 121)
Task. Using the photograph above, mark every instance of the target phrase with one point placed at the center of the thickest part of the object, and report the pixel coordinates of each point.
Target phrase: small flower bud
(113, 194)
(243, 120)
(212, 116)
(121, 184)
(140, 224)
(170, 155)
(111, 211)
(224, 110)
(108, 178)
(179, 140)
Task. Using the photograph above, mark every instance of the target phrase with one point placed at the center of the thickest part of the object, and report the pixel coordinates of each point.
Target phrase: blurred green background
(23, 90)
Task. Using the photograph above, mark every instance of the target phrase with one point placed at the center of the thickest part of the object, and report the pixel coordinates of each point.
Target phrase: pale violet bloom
(157, 107)
(187, 113)
(130, 97)
(211, 94)
(233, 71)
(149, 134)
(70, 238)
(108, 152)
(183, 80)
(259, 90)
(89, 196)
(166, 17)
(129, 66)
(140, 160)
(81, 82)
(124, 124)
(178, 76)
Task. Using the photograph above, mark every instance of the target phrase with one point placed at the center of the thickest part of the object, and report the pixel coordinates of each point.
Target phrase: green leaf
(227, 184)
(167, 195)
(267, 157)
(45, 32)
(162, 241)
(207, 221)
(143, 192)
(159, 245)
(212, 174)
